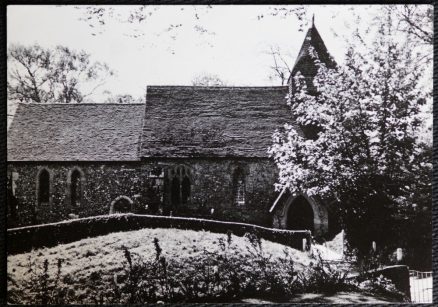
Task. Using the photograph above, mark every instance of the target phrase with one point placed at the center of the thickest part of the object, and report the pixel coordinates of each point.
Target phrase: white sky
(236, 52)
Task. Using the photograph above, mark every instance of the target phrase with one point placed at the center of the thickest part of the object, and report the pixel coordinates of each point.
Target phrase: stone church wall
(102, 183)
(213, 188)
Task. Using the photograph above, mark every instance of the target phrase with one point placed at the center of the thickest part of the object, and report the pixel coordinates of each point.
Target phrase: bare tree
(415, 20)
(28, 73)
(63, 75)
(280, 69)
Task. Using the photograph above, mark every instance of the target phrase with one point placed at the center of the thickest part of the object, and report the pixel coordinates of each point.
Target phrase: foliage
(415, 20)
(360, 146)
(124, 98)
(45, 288)
(221, 276)
(208, 277)
(208, 80)
(98, 17)
(37, 74)
(369, 262)
(369, 280)
(382, 286)
(323, 277)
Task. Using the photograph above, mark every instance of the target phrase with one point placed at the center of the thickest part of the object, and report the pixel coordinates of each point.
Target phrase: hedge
(24, 239)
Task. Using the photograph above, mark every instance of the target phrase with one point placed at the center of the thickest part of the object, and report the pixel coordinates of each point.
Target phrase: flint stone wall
(103, 182)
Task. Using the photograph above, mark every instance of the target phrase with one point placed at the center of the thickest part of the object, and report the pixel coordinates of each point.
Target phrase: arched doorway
(300, 215)
(121, 204)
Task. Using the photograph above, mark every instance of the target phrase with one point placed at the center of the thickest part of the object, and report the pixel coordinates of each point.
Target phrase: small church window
(12, 181)
(44, 187)
(240, 195)
(11, 200)
(239, 187)
(75, 188)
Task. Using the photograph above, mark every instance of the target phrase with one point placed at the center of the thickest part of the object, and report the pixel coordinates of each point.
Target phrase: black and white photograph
(255, 154)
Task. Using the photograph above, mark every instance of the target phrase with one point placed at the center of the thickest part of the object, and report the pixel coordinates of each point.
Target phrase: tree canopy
(366, 155)
(63, 75)
(206, 79)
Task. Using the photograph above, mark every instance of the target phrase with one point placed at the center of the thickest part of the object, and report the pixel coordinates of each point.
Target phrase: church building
(188, 151)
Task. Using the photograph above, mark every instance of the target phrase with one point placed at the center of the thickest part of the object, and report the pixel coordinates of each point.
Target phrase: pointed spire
(311, 40)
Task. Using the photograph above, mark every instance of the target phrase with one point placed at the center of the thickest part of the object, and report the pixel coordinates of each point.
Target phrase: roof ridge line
(216, 87)
(77, 104)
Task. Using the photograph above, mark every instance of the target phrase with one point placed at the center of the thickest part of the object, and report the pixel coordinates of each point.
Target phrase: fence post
(399, 255)
(304, 244)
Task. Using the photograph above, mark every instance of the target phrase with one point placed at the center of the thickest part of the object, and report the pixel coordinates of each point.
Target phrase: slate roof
(69, 132)
(187, 121)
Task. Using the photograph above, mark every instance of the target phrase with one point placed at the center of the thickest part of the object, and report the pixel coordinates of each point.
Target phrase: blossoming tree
(359, 146)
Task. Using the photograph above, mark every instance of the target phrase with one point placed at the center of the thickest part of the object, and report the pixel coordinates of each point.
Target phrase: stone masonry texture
(211, 188)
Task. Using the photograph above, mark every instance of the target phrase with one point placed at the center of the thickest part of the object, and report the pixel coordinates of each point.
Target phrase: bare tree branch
(280, 68)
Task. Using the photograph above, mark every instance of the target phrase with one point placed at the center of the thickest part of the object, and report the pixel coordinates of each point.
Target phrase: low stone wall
(399, 275)
(24, 239)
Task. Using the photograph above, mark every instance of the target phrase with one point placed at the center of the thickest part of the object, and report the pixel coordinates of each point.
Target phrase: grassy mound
(174, 266)
(101, 269)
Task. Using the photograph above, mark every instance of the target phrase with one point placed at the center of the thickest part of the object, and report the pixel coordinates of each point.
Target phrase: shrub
(369, 278)
(43, 288)
(324, 277)
(221, 276)
(208, 277)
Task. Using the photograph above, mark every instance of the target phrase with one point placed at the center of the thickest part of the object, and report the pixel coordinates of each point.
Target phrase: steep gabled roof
(69, 132)
(187, 121)
(312, 40)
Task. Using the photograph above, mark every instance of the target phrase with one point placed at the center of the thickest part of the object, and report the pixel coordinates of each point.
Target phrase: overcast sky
(233, 45)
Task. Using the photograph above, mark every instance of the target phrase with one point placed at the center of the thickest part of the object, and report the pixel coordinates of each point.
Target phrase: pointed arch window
(75, 189)
(75, 186)
(43, 183)
(239, 187)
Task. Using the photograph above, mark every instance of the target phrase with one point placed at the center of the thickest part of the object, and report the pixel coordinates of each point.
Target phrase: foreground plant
(223, 275)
